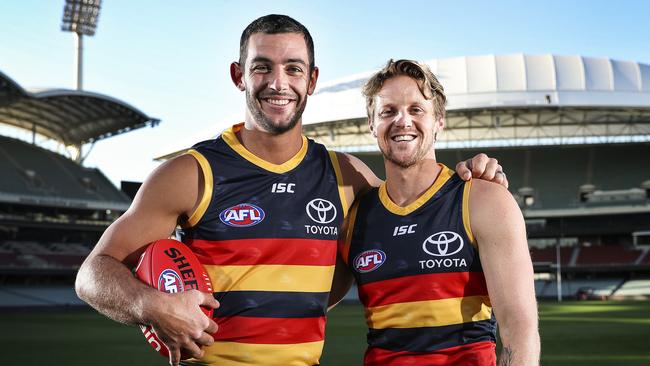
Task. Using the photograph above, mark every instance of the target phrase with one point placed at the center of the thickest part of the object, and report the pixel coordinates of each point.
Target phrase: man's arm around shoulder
(499, 229)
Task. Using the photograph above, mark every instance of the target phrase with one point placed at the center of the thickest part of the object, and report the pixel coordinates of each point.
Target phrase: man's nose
(403, 120)
(278, 80)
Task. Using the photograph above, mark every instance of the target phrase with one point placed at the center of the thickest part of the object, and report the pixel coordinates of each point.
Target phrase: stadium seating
(548, 255)
(30, 254)
(557, 173)
(602, 288)
(638, 288)
(34, 171)
(607, 255)
(21, 296)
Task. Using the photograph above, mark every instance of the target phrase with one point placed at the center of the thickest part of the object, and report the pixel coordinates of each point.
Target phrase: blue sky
(170, 59)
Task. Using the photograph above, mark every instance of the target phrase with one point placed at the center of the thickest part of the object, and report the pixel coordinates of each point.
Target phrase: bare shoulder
(177, 180)
(485, 192)
(356, 175)
(357, 172)
(170, 192)
(492, 206)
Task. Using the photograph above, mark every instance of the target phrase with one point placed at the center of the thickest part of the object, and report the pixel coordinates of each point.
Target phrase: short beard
(265, 123)
(416, 158)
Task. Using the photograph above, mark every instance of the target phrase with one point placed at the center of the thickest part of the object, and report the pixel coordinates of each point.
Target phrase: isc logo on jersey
(170, 282)
(369, 260)
(242, 215)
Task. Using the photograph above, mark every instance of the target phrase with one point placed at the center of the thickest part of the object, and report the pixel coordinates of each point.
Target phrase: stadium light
(80, 17)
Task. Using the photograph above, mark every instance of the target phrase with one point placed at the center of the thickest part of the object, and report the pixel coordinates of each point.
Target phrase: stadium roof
(72, 117)
(505, 97)
(501, 100)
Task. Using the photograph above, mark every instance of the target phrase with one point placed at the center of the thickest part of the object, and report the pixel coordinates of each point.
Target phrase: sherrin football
(170, 266)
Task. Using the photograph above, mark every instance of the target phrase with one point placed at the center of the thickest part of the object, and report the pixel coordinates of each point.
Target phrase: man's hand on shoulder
(482, 167)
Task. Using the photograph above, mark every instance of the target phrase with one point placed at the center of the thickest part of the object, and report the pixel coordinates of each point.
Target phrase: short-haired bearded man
(245, 202)
(437, 260)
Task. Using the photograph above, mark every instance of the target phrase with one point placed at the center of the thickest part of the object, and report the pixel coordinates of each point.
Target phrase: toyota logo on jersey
(443, 244)
(369, 260)
(321, 211)
(242, 215)
(170, 282)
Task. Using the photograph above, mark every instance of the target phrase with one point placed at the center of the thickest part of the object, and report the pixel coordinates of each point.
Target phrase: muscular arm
(105, 280)
(499, 229)
(343, 278)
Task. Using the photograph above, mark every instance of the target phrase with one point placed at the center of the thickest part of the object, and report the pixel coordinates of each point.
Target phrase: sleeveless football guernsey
(420, 279)
(266, 234)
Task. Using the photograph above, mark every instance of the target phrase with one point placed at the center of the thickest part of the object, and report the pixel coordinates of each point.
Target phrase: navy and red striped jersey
(266, 234)
(420, 279)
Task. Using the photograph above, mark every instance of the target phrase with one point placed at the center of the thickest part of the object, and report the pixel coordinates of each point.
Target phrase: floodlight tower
(80, 17)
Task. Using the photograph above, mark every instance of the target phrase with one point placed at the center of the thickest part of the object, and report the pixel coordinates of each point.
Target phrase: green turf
(573, 333)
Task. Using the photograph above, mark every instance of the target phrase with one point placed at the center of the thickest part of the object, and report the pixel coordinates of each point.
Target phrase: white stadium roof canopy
(506, 100)
(501, 100)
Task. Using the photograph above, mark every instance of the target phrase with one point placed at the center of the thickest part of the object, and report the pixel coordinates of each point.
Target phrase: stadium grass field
(573, 333)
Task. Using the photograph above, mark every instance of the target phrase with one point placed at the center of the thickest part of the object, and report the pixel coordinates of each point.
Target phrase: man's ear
(237, 75)
(440, 123)
(373, 132)
(313, 78)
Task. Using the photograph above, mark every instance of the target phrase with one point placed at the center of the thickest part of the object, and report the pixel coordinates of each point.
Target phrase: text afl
(242, 215)
(369, 260)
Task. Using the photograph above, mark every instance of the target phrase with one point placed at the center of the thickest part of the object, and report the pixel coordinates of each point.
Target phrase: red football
(170, 266)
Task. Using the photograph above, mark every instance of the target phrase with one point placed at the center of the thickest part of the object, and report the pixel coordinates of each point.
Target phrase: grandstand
(573, 134)
(52, 208)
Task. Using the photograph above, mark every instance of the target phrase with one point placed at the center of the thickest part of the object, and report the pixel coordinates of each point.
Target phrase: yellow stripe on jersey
(270, 277)
(231, 139)
(238, 354)
(339, 181)
(445, 174)
(433, 313)
(466, 222)
(207, 188)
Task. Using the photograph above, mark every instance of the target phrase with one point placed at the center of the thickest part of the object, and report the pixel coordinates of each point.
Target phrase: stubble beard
(412, 160)
(254, 106)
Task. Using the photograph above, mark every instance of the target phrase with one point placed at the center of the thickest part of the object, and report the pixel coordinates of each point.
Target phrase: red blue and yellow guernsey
(420, 279)
(266, 234)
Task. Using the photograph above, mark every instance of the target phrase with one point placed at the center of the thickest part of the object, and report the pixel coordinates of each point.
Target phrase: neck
(405, 185)
(275, 149)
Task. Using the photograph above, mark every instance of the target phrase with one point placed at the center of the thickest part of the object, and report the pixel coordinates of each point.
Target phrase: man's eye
(260, 68)
(385, 113)
(295, 69)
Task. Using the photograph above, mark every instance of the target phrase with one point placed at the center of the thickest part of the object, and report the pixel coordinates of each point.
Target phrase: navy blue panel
(429, 339)
(271, 304)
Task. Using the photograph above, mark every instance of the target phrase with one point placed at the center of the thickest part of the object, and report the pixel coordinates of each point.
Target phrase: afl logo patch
(321, 211)
(170, 282)
(443, 244)
(242, 215)
(369, 260)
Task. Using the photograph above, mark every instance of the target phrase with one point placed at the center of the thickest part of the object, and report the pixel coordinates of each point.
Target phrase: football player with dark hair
(260, 206)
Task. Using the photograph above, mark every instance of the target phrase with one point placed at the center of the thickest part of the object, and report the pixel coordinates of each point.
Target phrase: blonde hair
(429, 85)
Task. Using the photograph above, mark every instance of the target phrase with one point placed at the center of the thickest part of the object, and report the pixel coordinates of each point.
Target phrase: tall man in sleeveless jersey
(437, 260)
(260, 205)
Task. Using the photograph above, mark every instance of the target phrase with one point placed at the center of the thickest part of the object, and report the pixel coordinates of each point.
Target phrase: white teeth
(404, 138)
(278, 101)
